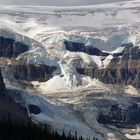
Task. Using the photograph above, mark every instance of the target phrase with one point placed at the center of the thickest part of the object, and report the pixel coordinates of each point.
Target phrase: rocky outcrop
(120, 115)
(31, 72)
(34, 109)
(123, 70)
(114, 76)
(79, 47)
(10, 48)
(2, 84)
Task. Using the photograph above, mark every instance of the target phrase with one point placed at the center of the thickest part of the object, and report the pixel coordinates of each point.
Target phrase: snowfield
(70, 101)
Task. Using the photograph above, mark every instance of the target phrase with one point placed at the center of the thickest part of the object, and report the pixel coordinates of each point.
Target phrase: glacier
(70, 101)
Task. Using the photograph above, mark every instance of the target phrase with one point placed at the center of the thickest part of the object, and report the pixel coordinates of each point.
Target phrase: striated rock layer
(123, 69)
(31, 72)
(10, 48)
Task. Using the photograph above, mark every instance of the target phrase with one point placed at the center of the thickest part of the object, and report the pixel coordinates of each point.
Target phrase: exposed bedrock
(31, 72)
(123, 70)
(10, 48)
(34, 109)
(79, 47)
(114, 76)
(120, 115)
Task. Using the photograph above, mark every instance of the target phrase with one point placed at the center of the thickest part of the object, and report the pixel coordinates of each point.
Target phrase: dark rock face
(122, 70)
(131, 52)
(121, 116)
(33, 72)
(11, 110)
(10, 48)
(34, 109)
(2, 84)
(114, 76)
(79, 47)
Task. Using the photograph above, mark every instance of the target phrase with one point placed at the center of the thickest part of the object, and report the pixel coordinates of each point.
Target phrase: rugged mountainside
(12, 110)
(8, 108)
(121, 116)
(123, 69)
(32, 72)
(72, 70)
(10, 48)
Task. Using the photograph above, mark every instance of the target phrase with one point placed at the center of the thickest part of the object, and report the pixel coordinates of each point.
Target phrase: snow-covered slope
(70, 101)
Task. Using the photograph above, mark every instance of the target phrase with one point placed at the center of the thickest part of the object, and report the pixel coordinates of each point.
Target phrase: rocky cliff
(80, 47)
(121, 115)
(32, 72)
(123, 69)
(10, 48)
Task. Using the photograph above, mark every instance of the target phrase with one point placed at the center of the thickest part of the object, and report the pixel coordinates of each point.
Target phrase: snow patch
(131, 90)
(57, 83)
(133, 136)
